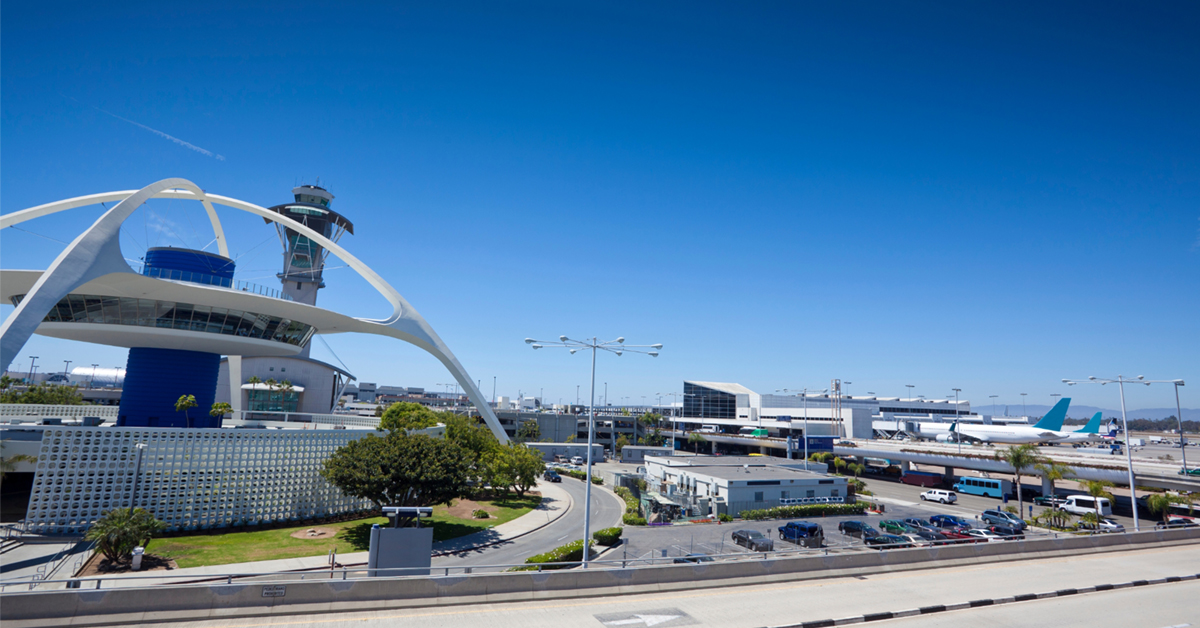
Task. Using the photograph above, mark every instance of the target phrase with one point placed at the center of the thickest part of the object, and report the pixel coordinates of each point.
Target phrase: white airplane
(1088, 433)
(1047, 430)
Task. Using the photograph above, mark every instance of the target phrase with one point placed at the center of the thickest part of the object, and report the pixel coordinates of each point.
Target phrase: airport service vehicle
(694, 559)
(1047, 430)
(552, 476)
(887, 541)
(895, 526)
(1083, 504)
(940, 496)
(951, 522)
(1008, 532)
(707, 429)
(1110, 450)
(1001, 518)
(1195, 471)
(753, 431)
(1106, 525)
(859, 529)
(803, 533)
(984, 535)
(577, 461)
(753, 540)
(987, 487)
(1052, 501)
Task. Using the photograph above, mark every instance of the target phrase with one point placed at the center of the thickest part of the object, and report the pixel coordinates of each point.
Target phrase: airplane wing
(969, 435)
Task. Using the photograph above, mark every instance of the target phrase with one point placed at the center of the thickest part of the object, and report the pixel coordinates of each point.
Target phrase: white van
(706, 429)
(1083, 504)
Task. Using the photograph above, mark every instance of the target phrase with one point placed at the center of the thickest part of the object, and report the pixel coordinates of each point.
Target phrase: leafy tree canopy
(53, 394)
(399, 469)
(406, 415)
(122, 529)
(515, 466)
(529, 431)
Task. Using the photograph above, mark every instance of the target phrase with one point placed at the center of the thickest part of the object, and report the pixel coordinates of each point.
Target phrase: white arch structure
(97, 252)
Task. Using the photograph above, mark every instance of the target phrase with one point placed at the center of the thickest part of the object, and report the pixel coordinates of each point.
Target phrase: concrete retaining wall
(131, 606)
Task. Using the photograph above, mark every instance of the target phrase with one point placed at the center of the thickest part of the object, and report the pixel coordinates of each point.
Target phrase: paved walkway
(555, 503)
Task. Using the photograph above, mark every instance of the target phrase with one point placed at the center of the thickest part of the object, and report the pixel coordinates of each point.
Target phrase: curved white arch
(91, 255)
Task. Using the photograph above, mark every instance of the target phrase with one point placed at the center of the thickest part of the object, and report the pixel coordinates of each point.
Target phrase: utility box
(400, 551)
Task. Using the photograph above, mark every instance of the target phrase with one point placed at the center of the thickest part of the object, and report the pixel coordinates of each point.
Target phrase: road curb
(939, 608)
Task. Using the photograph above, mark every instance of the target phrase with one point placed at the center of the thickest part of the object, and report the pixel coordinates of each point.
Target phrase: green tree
(9, 463)
(50, 394)
(1098, 489)
(122, 529)
(1020, 458)
(695, 440)
(399, 469)
(405, 415)
(622, 441)
(857, 469)
(220, 409)
(838, 465)
(529, 431)
(254, 379)
(515, 466)
(1053, 472)
(570, 439)
(1161, 503)
(476, 441)
(185, 403)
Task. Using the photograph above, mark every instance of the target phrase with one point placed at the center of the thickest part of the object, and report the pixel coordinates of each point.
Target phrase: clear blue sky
(984, 196)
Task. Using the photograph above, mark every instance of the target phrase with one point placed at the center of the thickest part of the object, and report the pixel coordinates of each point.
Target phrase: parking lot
(660, 544)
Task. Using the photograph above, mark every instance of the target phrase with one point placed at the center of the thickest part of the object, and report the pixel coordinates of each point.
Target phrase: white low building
(731, 484)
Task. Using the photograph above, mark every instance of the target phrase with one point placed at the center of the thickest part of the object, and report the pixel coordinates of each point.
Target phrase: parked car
(1053, 501)
(895, 526)
(984, 535)
(957, 535)
(1177, 522)
(921, 524)
(552, 476)
(577, 461)
(1195, 471)
(692, 558)
(753, 540)
(940, 496)
(858, 529)
(887, 541)
(1000, 517)
(803, 533)
(1007, 532)
(1106, 525)
(925, 537)
(950, 522)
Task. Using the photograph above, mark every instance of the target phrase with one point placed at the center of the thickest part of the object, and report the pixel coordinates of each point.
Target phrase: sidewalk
(555, 503)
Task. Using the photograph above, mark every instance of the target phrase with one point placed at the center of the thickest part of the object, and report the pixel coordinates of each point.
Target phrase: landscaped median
(227, 547)
(569, 555)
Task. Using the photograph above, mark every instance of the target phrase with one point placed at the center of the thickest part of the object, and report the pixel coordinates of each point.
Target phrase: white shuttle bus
(1083, 504)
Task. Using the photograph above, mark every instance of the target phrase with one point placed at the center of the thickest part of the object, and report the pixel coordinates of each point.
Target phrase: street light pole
(67, 369)
(993, 398)
(1023, 413)
(1179, 418)
(618, 347)
(956, 414)
(32, 368)
(909, 387)
(92, 381)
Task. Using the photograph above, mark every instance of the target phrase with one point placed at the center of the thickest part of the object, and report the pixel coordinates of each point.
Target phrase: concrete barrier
(185, 602)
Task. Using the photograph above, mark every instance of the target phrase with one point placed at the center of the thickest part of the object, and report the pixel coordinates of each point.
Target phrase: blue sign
(815, 443)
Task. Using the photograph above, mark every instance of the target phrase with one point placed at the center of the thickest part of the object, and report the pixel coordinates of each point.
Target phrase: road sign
(660, 617)
(274, 590)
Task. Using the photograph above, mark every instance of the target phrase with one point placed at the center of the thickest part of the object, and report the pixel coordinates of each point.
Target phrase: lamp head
(572, 351)
(562, 338)
(621, 340)
(618, 353)
(1066, 381)
(1178, 382)
(657, 346)
(1141, 377)
(529, 341)
(537, 346)
(653, 354)
(1092, 377)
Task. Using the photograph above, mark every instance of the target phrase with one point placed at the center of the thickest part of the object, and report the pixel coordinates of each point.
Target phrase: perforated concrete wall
(189, 479)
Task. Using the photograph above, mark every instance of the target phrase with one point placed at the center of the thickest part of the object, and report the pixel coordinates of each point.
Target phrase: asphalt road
(785, 603)
(607, 510)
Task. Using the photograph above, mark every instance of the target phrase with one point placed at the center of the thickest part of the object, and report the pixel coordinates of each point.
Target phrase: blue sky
(985, 196)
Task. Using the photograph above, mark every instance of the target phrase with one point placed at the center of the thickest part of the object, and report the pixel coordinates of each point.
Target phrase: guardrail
(56, 411)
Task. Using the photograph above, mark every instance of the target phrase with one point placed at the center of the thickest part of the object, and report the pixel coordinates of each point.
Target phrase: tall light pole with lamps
(1023, 407)
(1120, 381)
(804, 394)
(993, 398)
(956, 414)
(32, 367)
(92, 381)
(618, 347)
(909, 387)
(674, 423)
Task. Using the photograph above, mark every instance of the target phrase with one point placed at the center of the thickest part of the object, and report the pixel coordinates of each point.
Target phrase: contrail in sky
(182, 143)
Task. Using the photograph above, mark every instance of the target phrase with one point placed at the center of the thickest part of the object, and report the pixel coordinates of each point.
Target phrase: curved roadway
(607, 510)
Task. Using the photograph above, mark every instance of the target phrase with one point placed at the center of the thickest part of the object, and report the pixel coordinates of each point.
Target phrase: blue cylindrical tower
(155, 378)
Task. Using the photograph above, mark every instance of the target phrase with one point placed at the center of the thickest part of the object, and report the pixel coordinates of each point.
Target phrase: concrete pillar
(1047, 486)
(714, 447)
(762, 449)
(905, 466)
(948, 472)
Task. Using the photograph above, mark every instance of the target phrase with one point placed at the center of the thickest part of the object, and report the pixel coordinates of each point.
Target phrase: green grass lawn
(352, 536)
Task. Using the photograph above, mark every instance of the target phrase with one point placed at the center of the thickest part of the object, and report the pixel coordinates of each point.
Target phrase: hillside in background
(1080, 414)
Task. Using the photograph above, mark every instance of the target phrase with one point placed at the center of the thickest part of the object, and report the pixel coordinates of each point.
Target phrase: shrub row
(570, 553)
(807, 510)
(581, 475)
(608, 537)
(633, 520)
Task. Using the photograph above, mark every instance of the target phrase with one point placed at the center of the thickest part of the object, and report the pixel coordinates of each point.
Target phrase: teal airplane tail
(1054, 418)
(1092, 427)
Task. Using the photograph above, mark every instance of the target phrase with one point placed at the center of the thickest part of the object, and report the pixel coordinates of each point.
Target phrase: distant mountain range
(1086, 412)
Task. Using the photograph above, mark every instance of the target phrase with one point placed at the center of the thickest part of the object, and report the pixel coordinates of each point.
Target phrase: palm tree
(185, 403)
(1162, 502)
(695, 440)
(838, 465)
(856, 469)
(1054, 472)
(122, 529)
(220, 409)
(1098, 489)
(1020, 458)
(8, 464)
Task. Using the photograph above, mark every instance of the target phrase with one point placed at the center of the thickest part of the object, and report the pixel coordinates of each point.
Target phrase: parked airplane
(1047, 430)
(1088, 433)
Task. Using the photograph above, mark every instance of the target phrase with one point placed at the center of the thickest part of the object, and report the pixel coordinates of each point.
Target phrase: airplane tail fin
(1092, 427)
(1054, 418)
